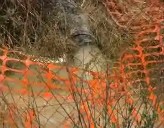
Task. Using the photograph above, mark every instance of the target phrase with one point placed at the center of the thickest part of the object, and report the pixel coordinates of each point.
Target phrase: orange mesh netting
(143, 63)
(129, 94)
(23, 80)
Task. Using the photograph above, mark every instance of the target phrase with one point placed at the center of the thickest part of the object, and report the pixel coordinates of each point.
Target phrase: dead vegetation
(33, 27)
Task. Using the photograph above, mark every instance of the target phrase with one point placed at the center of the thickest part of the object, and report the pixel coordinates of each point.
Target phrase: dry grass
(26, 28)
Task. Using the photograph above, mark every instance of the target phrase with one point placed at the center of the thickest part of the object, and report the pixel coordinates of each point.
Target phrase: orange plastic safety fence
(20, 75)
(142, 65)
(132, 14)
(44, 80)
(113, 96)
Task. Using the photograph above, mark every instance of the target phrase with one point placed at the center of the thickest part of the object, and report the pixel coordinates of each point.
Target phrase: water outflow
(89, 57)
(76, 21)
